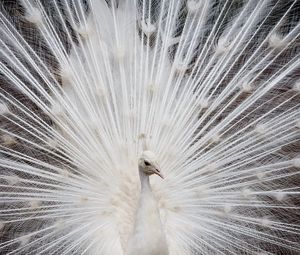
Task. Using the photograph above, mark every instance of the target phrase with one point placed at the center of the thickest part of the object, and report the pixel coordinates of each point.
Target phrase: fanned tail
(213, 86)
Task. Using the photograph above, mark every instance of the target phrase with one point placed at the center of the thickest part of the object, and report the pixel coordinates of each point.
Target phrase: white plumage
(147, 237)
(206, 92)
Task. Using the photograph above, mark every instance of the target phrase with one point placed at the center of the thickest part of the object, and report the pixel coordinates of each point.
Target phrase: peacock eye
(147, 163)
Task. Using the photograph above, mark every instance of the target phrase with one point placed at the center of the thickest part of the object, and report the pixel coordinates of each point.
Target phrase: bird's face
(148, 164)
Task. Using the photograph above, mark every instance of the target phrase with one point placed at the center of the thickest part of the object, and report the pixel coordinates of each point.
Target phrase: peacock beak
(157, 171)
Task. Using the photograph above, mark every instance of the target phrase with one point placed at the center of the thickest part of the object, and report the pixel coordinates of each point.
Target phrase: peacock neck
(145, 181)
(148, 237)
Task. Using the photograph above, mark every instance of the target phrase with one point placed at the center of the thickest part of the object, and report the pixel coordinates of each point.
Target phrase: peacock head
(148, 163)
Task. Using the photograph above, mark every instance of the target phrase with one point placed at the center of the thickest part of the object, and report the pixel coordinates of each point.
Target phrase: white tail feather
(212, 86)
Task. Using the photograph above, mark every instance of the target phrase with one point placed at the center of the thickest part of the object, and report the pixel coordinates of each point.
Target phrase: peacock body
(206, 90)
